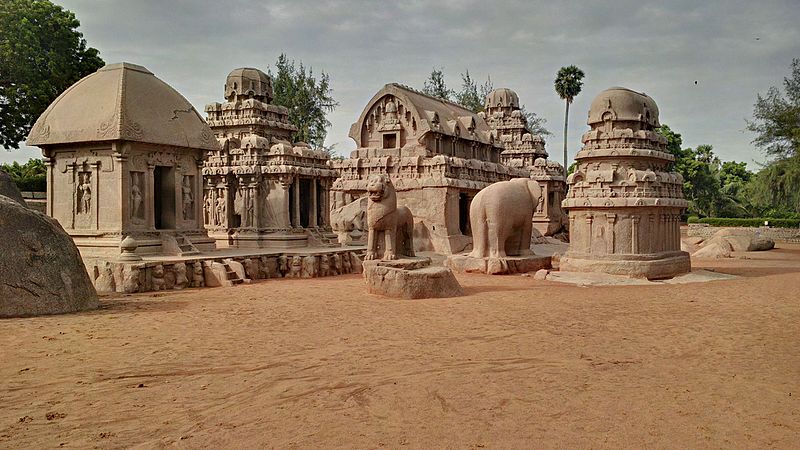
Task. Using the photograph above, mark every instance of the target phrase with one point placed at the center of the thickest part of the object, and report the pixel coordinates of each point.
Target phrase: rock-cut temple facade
(438, 155)
(624, 201)
(259, 188)
(124, 153)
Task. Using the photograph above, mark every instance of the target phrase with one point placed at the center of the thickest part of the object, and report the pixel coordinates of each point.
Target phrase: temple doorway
(463, 214)
(306, 201)
(164, 197)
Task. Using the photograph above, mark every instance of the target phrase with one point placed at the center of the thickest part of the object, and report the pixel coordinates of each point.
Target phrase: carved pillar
(610, 221)
(312, 217)
(589, 220)
(255, 197)
(73, 168)
(95, 200)
(635, 235)
(296, 205)
(199, 197)
(50, 181)
(150, 197)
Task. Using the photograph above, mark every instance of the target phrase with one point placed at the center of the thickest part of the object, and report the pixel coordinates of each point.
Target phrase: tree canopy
(31, 176)
(568, 82)
(308, 99)
(776, 118)
(435, 86)
(41, 54)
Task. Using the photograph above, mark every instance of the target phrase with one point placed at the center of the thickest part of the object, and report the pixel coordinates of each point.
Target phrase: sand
(516, 363)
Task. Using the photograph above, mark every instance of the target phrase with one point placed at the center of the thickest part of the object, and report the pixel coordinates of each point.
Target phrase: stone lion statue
(501, 218)
(384, 217)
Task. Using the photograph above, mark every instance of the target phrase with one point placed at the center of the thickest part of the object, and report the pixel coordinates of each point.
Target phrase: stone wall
(776, 234)
(215, 271)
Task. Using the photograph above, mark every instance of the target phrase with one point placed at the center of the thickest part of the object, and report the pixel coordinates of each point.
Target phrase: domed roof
(623, 104)
(122, 102)
(502, 98)
(248, 82)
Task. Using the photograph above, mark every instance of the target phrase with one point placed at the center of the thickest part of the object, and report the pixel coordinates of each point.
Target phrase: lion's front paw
(389, 256)
(370, 256)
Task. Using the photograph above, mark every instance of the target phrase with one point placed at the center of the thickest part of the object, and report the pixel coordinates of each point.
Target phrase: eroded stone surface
(41, 271)
(497, 266)
(391, 279)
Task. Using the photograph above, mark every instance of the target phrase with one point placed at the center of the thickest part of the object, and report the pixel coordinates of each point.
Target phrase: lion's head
(379, 186)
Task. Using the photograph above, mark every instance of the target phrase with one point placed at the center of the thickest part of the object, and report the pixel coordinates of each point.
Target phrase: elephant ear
(536, 193)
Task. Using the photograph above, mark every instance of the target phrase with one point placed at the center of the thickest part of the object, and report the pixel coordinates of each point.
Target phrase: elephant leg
(525, 238)
(479, 236)
(497, 244)
(371, 245)
(390, 235)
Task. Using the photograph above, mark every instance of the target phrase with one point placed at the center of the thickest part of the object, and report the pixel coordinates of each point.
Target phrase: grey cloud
(660, 48)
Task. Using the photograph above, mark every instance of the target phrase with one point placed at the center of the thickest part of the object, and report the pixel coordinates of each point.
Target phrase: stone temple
(624, 202)
(438, 155)
(260, 190)
(124, 152)
(522, 149)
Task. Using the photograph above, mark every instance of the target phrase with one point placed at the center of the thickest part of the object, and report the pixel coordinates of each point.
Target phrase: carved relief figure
(137, 212)
(188, 197)
(250, 207)
(385, 217)
(158, 277)
(198, 279)
(208, 208)
(84, 192)
(295, 267)
(220, 209)
(501, 216)
(309, 267)
(283, 265)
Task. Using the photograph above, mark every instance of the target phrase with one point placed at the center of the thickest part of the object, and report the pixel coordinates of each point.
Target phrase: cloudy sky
(732, 49)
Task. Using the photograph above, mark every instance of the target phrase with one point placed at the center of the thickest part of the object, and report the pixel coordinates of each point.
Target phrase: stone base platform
(652, 267)
(410, 278)
(223, 267)
(497, 266)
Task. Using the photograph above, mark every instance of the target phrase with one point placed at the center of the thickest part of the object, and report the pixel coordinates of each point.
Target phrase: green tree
(41, 54)
(568, 84)
(435, 86)
(471, 95)
(776, 118)
(774, 191)
(31, 176)
(308, 99)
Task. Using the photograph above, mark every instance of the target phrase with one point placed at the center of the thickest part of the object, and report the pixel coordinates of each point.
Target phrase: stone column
(255, 197)
(50, 167)
(589, 220)
(635, 234)
(149, 197)
(610, 221)
(94, 206)
(296, 205)
(199, 197)
(312, 217)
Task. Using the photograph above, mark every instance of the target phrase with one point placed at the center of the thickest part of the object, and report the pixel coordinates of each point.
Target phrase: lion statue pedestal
(501, 217)
(398, 273)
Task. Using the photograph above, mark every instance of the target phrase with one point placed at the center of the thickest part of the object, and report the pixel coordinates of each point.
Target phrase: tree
(535, 123)
(471, 95)
(568, 84)
(308, 99)
(41, 54)
(31, 176)
(435, 86)
(776, 118)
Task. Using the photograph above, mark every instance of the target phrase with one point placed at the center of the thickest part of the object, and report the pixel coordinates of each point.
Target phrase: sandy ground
(517, 363)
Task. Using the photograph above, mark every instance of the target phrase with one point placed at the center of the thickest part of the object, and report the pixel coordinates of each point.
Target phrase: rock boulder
(41, 271)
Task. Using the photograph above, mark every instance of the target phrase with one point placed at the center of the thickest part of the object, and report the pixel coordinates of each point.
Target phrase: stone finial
(128, 248)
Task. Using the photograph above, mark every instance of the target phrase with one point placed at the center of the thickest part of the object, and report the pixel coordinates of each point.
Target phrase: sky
(702, 62)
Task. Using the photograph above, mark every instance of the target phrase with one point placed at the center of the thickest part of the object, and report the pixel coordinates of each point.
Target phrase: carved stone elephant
(501, 218)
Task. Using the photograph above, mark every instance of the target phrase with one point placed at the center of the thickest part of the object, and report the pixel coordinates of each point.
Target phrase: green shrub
(752, 222)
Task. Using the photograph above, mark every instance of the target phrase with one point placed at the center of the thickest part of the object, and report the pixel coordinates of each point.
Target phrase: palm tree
(568, 85)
